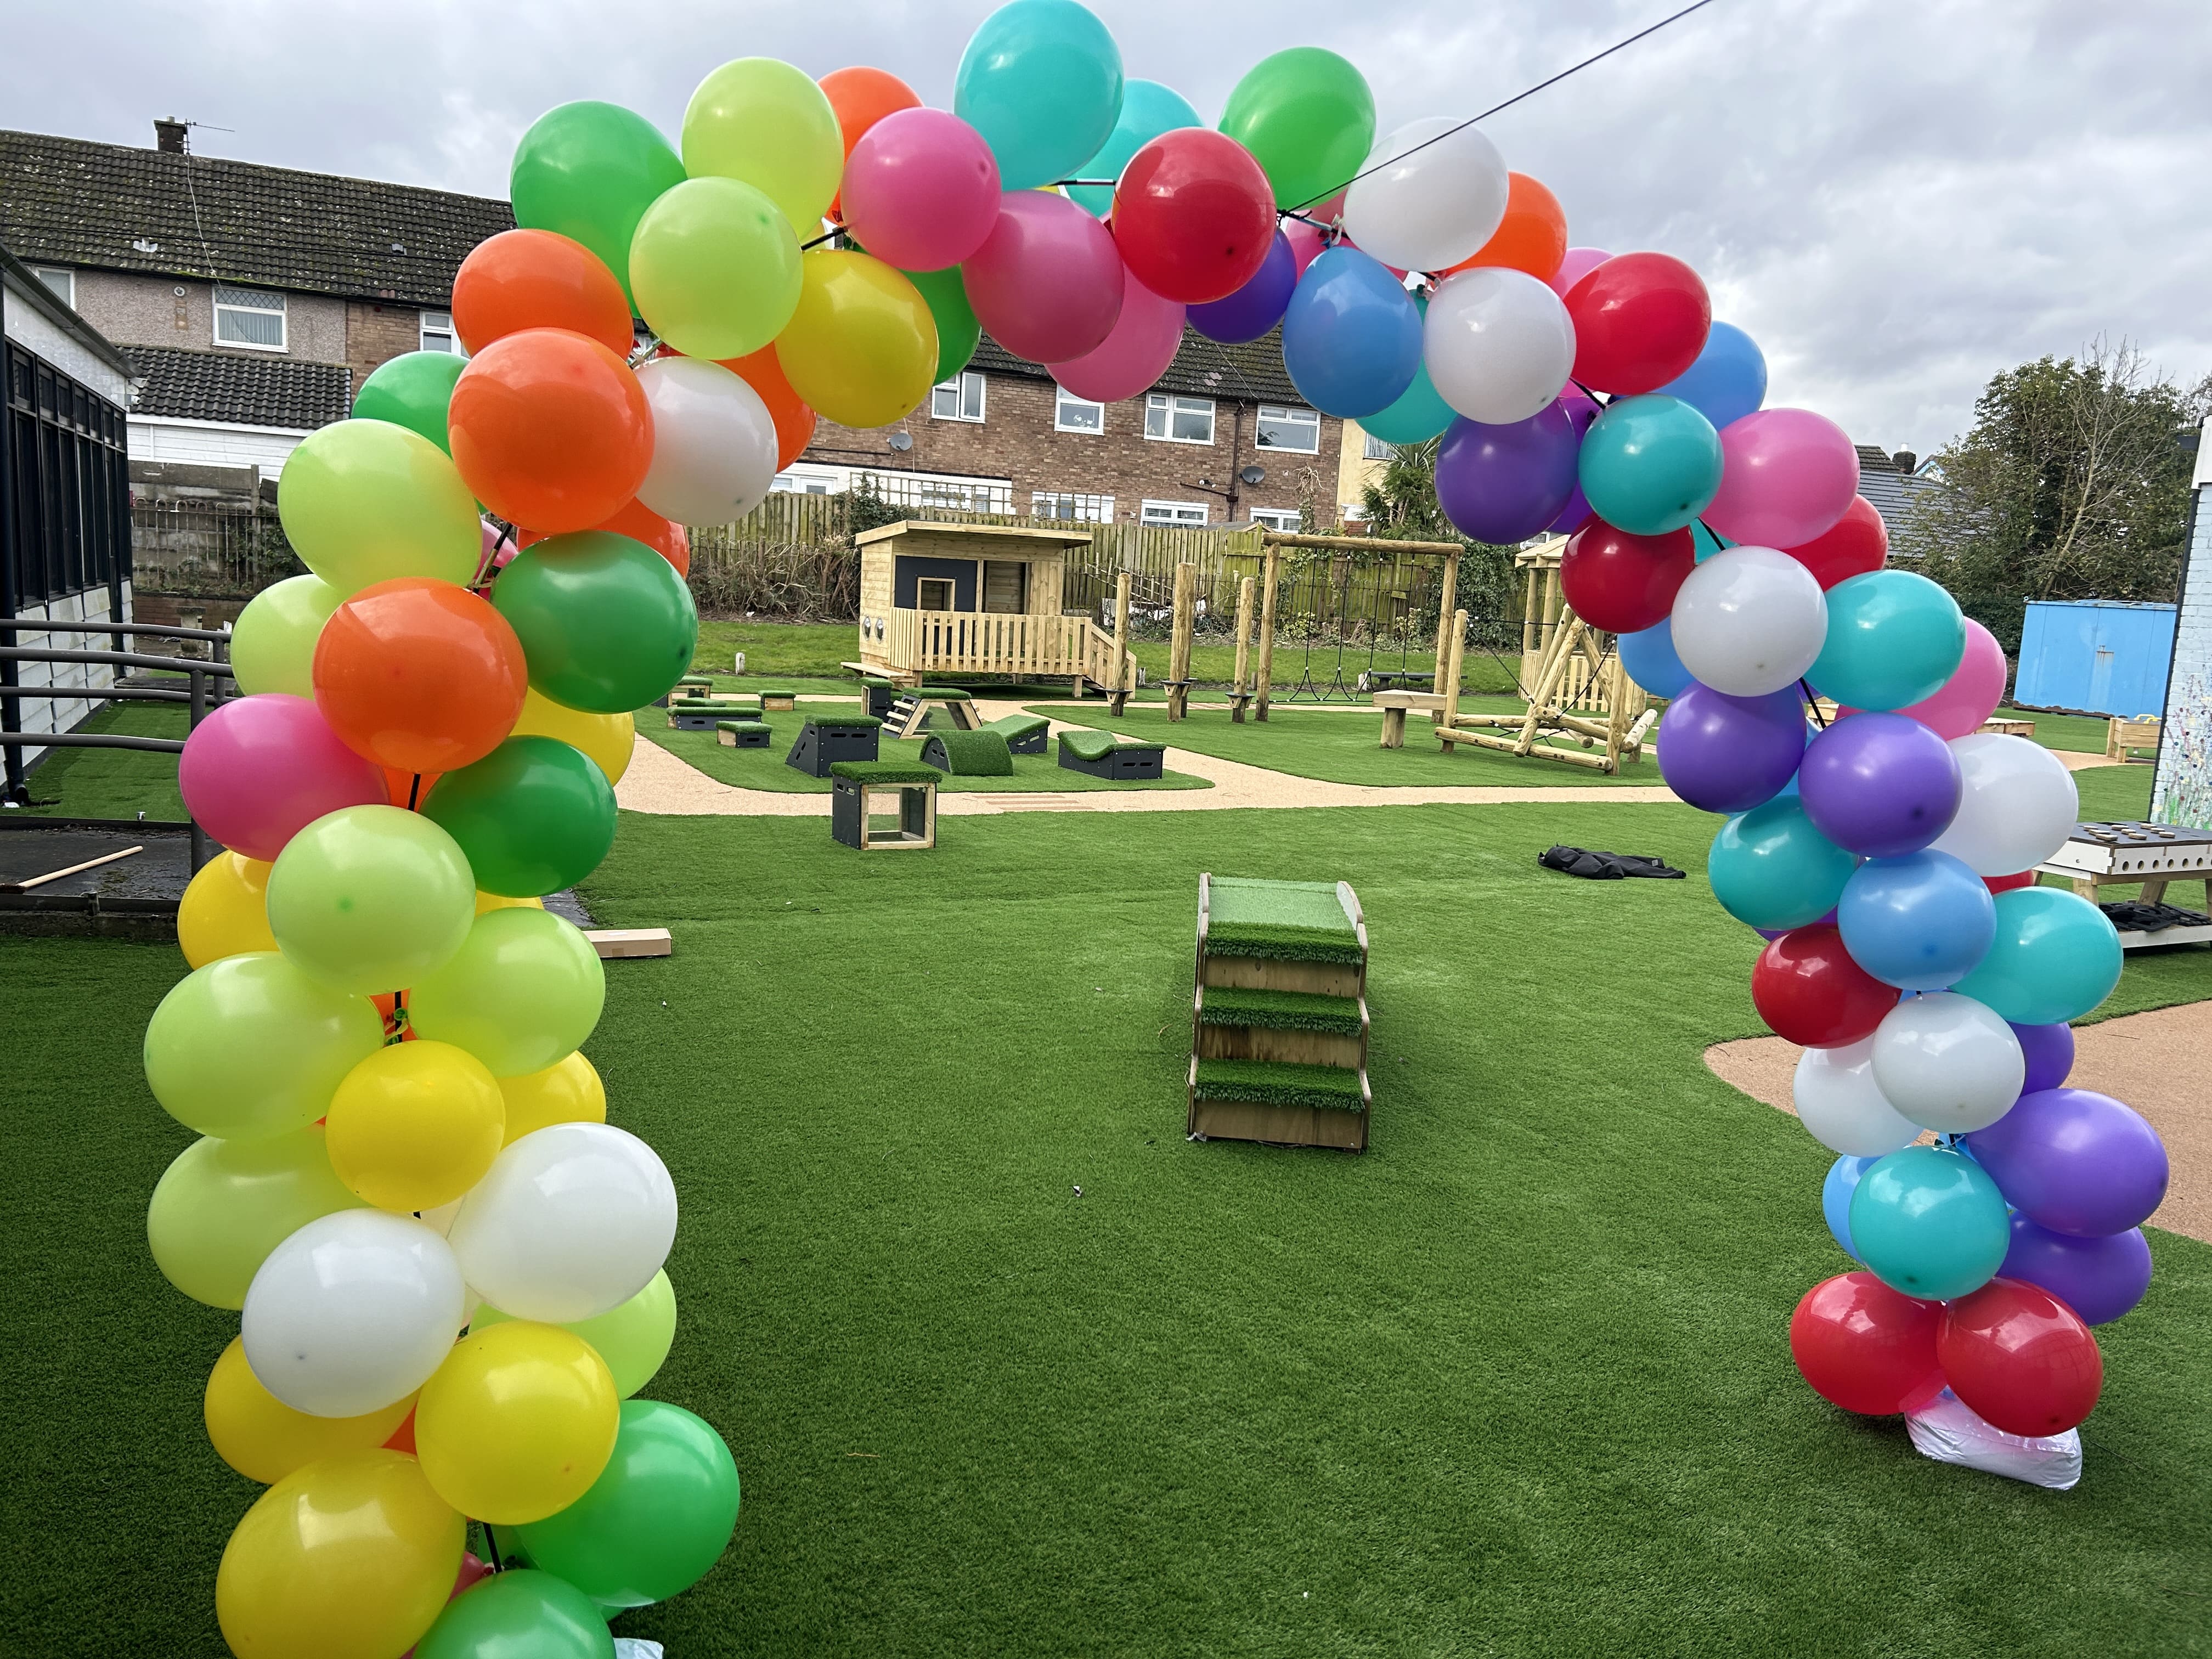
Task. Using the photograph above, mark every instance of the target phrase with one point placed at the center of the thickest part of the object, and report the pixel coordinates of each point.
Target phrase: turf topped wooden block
(1025, 734)
(829, 740)
(884, 772)
(1105, 755)
(835, 717)
(1277, 942)
(1313, 905)
(742, 734)
(1282, 1011)
(968, 754)
(945, 693)
(1272, 1083)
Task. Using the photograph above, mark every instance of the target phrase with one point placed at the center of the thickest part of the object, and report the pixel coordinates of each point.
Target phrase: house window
(1174, 512)
(1285, 519)
(960, 398)
(1077, 509)
(1297, 430)
(61, 280)
(251, 317)
(800, 484)
(934, 593)
(438, 333)
(1372, 448)
(1178, 419)
(1072, 414)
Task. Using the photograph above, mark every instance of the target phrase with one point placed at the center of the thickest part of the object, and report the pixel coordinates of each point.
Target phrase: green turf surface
(1279, 1010)
(764, 768)
(2083, 734)
(885, 771)
(1274, 1083)
(1267, 901)
(114, 783)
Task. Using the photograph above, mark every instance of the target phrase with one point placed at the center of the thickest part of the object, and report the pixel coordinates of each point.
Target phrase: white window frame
(426, 326)
(1082, 509)
(60, 281)
(805, 483)
(1167, 405)
(1372, 448)
(1286, 415)
(1176, 512)
(959, 385)
(1285, 519)
(279, 311)
(1061, 404)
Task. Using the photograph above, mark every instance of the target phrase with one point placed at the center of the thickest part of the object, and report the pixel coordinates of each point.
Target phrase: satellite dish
(902, 441)
(1254, 475)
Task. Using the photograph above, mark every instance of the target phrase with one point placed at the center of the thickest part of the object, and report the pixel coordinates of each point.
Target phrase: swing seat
(1178, 698)
(1239, 702)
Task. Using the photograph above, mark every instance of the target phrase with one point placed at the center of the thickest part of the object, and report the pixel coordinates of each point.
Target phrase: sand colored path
(2156, 1063)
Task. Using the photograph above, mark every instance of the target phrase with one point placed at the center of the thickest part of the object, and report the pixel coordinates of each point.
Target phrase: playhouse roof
(1020, 532)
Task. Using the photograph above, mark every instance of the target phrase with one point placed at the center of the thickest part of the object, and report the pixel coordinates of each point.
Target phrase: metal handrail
(21, 626)
(191, 666)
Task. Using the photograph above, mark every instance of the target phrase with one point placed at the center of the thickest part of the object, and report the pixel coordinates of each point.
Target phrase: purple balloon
(2075, 1162)
(2100, 1279)
(1504, 484)
(1582, 411)
(1257, 306)
(2050, 1052)
(1880, 785)
(1724, 754)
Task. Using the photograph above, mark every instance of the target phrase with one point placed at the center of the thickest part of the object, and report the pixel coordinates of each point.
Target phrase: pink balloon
(260, 768)
(921, 190)
(1047, 283)
(1306, 242)
(499, 546)
(1135, 356)
(1971, 696)
(1786, 476)
(1579, 264)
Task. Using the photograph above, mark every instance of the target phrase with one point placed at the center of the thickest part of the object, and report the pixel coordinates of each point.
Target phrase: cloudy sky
(1897, 198)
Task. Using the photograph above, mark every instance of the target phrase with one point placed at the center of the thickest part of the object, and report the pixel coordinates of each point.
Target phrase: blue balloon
(1728, 379)
(1042, 80)
(1257, 306)
(1930, 1224)
(1352, 338)
(1651, 465)
(1417, 415)
(1894, 638)
(1649, 658)
(1770, 868)
(1921, 922)
(2054, 957)
(1843, 1180)
(1148, 109)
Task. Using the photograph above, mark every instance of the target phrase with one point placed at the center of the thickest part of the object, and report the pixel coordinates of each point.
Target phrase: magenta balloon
(1787, 476)
(261, 768)
(1307, 243)
(1047, 283)
(1971, 696)
(1135, 356)
(921, 190)
(1579, 264)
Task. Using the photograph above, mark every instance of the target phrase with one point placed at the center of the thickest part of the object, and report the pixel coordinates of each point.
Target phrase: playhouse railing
(992, 642)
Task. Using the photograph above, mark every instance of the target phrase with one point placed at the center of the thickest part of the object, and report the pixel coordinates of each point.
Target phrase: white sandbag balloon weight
(1749, 620)
(1430, 196)
(1498, 344)
(714, 443)
(2017, 805)
(1947, 1063)
(1842, 1106)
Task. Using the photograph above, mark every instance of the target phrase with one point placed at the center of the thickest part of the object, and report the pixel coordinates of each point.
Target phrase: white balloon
(573, 1219)
(2017, 805)
(714, 443)
(1947, 1063)
(1843, 1108)
(1498, 344)
(1431, 200)
(352, 1312)
(1749, 621)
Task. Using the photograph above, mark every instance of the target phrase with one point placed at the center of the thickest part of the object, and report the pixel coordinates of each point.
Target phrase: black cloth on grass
(1606, 866)
(2133, 916)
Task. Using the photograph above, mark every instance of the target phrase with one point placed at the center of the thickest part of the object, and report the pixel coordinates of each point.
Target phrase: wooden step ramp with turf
(910, 708)
(1024, 734)
(830, 735)
(1102, 754)
(1279, 1014)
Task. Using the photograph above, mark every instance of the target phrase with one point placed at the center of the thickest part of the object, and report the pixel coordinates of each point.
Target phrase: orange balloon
(641, 523)
(1533, 235)
(794, 420)
(402, 1438)
(418, 674)
(408, 790)
(860, 98)
(523, 279)
(549, 429)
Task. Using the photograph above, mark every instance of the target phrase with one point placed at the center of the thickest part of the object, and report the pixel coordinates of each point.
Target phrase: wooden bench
(1394, 705)
(2124, 737)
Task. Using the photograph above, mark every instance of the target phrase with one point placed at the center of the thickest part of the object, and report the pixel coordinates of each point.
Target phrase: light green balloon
(223, 1205)
(365, 502)
(715, 269)
(369, 899)
(632, 1339)
(272, 644)
(524, 991)
(250, 1047)
(766, 123)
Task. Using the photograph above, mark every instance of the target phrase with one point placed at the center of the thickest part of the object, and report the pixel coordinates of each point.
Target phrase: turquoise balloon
(1041, 81)
(1707, 542)
(1770, 868)
(1651, 465)
(2055, 958)
(1419, 415)
(1894, 639)
(1930, 1224)
(1148, 109)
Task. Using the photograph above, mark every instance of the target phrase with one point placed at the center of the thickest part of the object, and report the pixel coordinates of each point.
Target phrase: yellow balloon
(350, 1556)
(861, 349)
(518, 1422)
(500, 901)
(566, 1091)
(416, 1125)
(225, 910)
(265, 1439)
(607, 739)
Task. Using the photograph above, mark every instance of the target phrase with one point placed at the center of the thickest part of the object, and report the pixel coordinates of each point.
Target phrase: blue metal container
(2096, 656)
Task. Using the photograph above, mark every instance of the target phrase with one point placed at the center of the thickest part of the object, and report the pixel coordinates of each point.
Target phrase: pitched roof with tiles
(1252, 373)
(114, 207)
(232, 386)
(1888, 486)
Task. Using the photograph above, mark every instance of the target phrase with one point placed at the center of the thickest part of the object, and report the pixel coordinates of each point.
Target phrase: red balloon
(1806, 986)
(551, 429)
(1864, 1347)
(1640, 320)
(1621, 583)
(2006, 884)
(2021, 1357)
(1194, 215)
(1857, 546)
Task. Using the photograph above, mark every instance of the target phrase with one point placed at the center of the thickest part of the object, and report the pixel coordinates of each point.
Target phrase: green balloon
(632, 1339)
(272, 644)
(589, 170)
(715, 268)
(658, 1517)
(1309, 119)
(522, 991)
(223, 1205)
(519, 1614)
(369, 899)
(606, 624)
(958, 331)
(534, 816)
(412, 391)
(250, 1047)
(365, 501)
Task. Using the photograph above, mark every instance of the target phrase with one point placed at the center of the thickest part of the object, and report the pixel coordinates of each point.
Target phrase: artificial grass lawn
(1279, 1010)
(2083, 734)
(764, 768)
(1274, 1083)
(1515, 1382)
(114, 783)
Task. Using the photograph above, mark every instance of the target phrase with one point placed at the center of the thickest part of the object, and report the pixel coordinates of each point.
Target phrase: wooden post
(1267, 630)
(1243, 649)
(1186, 595)
(1450, 598)
(1555, 669)
(1449, 713)
(1125, 661)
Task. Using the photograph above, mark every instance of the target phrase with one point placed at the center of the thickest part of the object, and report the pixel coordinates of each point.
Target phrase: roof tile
(253, 390)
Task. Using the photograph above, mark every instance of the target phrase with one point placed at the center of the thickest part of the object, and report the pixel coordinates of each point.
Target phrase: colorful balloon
(921, 190)
(1192, 217)
(715, 443)
(1497, 345)
(265, 1439)
(419, 675)
(258, 768)
(2050, 1052)
(2053, 956)
(1623, 583)
(1429, 196)
(522, 991)
(1930, 1224)
(862, 346)
(515, 1612)
(1855, 545)
(1836, 1189)
(1148, 109)
(1135, 356)
(522, 279)
(533, 816)
(1947, 1063)
(225, 910)
(1531, 237)
(1894, 639)
(1843, 1108)
(551, 430)
(1880, 785)
(363, 501)
(793, 420)
(1651, 661)
(566, 1091)
(1790, 475)
(1047, 283)
(1577, 264)
(415, 1126)
(2077, 1162)
(1309, 119)
(1919, 922)
(1502, 483)
(518, 1422)
(2100, 1278)
(1352, 338)
(765, 124)
(1809, 990)
(1749, 621)
(860, 97)
(413, 390)
(1640, 320)
(1724, 754)
(589, 171)
(1649, 465)
(1728, 382)
(945, 293)
(1042, 80)
(2020, 1358)
(1862, 1346)
(370, 899)
(606, 625)
(634, 1338)
(2017, 805)
(607, 739)
(1771, 868)
(222, 1205)
(636, 520)
(716, 269)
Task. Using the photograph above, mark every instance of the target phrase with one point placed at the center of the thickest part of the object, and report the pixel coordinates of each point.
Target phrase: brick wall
(376, 333)
(1016, 439)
